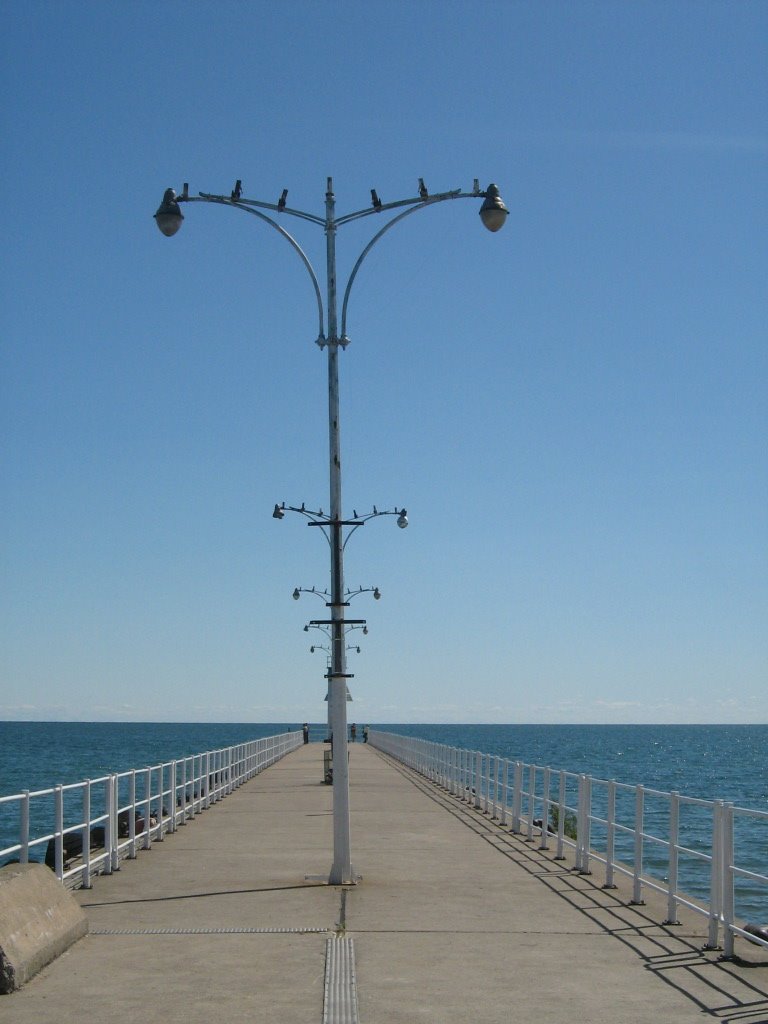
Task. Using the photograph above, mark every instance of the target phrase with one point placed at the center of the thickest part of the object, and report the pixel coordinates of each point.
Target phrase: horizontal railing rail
(695, 853)
(86, 828)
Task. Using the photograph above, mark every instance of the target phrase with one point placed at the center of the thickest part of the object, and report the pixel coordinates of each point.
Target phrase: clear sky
(573, 410)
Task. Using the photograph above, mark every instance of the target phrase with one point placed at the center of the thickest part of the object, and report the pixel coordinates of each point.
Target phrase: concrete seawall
(455, 919)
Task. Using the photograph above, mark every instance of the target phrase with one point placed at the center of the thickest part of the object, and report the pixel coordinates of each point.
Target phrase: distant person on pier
(365, 734)
(353, 732)
(305, 730)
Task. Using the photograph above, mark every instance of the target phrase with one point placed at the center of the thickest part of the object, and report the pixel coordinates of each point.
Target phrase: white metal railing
(87, 828)
(642, 834)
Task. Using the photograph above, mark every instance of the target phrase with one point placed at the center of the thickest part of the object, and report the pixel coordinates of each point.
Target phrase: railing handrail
(117, 814)
(495, 786)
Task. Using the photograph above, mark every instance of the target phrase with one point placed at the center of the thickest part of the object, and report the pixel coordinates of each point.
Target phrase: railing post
(560, 855)
(495, 794)
(173, 797)
(147, 808)
(478, 779)
(728, 878)
(58, 801)
(111, 830)
(504, 788)
(674, 856)
(610, 836)
(182, 799)
(86, 878)
(584, 825)
(716, 879)
(531, 800)
(195, 783)
(160, 788)
(132, 849)
(24, 828)
(217, 772)
(637, 866)
(580, 826)
(517, 797)
(545, 812)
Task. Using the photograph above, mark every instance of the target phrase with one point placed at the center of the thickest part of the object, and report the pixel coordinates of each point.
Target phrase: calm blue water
(712, 762)
(725, 762)
(37, 755)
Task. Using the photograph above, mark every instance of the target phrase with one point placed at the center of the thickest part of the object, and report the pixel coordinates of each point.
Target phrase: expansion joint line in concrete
(341, 924)
(206, 931)
(340, 996)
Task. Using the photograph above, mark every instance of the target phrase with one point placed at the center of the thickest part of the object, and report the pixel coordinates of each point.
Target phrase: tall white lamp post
(493, 214)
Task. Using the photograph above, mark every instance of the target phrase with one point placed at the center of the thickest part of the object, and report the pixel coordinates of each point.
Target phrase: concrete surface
(39, 920)
(455, 919)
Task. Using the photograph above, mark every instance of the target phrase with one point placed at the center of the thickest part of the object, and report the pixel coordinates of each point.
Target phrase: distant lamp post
(332, 336)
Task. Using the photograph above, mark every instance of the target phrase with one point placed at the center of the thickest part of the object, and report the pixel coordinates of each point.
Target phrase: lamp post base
(330, 879)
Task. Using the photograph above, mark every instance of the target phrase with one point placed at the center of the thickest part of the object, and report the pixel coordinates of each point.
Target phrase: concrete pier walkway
(455, 919)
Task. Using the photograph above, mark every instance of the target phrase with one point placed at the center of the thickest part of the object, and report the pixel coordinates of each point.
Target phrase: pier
(455, 918)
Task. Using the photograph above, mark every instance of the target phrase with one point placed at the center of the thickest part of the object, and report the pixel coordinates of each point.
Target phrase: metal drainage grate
(205, 931)
(340, 1000)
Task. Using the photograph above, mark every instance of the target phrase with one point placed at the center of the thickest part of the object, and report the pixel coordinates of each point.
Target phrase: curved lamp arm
(493, 214)
(321, 520)
(431, 201)
(223, 201)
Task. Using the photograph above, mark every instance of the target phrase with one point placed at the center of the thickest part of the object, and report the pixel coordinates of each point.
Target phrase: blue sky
(573, 410)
